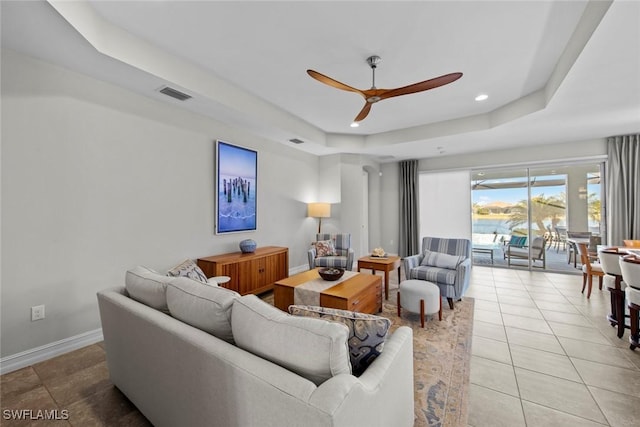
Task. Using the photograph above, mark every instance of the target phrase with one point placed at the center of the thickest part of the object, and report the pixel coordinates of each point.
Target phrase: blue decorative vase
(248, 246)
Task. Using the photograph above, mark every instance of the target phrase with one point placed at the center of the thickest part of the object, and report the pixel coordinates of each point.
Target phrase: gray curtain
(409, 239)
(623, 188)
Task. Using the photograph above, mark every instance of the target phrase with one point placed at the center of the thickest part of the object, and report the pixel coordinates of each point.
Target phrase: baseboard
(298, 269)
(48, 351)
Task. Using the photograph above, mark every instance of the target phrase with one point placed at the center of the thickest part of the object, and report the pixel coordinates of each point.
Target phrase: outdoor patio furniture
(561, 238)
(573, 238)
(538, 250)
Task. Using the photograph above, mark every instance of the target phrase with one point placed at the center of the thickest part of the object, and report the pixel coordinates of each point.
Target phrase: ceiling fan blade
(422, 86)
(363, 113)
(331, 82)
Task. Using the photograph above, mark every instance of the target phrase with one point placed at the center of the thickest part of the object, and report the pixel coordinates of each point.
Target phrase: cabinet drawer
(367, 301)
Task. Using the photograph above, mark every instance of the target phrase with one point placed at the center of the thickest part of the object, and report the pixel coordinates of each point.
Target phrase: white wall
(96, 180)
(445, 204)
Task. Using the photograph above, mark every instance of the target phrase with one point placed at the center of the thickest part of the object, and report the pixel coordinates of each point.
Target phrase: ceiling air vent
(296, 141)
(175, 93)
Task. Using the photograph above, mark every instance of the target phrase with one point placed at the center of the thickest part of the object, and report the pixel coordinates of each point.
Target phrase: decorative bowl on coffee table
(331, 273)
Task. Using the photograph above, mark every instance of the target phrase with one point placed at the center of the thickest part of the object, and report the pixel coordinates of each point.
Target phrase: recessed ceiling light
(355, 124)
(482, 97)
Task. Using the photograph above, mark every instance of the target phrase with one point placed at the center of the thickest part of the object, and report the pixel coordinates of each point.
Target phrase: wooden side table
(384, 264)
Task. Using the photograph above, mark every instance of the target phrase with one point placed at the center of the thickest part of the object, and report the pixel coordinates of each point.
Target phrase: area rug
(441, 360)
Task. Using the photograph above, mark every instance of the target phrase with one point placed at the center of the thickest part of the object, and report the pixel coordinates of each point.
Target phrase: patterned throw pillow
(189, 269)
(441, 260)
(367, 333)
(325, 248)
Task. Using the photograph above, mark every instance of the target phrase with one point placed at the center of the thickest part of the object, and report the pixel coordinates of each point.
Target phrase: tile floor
(544, 355)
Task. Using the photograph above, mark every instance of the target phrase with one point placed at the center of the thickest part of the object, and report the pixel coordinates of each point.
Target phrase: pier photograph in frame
(236, 188)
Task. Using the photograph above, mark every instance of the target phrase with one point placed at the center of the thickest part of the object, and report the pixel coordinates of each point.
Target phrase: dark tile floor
(75, 384)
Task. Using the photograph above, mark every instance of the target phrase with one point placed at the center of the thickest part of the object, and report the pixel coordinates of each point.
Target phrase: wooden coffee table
(362, 292)
(385, 264)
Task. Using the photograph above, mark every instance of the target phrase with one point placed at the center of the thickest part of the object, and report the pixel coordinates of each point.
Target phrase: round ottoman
(420, 296)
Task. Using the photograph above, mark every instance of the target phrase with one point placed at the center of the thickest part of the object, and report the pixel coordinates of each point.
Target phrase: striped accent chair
(453, 282)
(342, 244)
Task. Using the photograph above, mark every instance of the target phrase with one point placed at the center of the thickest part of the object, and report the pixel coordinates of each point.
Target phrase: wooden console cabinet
(252, 273)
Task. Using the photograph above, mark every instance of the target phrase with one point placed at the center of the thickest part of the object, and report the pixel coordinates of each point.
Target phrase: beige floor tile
(521, 293)
(609, 377)
(519, 310)
(557, 393)
(536, 325)
(486, 305)
(568, 318)
(491, 349)
(510, 286)
(481, 295)
(489, 330)
(550, 295)
(540, 341)
(488, 316)
(557, 306)
(621, 410)
(557, 365)
(524, 302)
(596, 352)
(541, 416)
(633, 356)
(494, 375)
(488, 408)
(578, 332)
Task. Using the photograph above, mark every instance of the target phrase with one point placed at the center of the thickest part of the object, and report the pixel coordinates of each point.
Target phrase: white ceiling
(555, 71)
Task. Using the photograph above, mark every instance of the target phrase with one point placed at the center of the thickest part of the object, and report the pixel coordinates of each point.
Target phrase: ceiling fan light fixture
(482, 97)
(354, 124)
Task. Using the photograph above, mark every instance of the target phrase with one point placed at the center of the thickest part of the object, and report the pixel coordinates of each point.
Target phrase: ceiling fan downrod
(373, 62)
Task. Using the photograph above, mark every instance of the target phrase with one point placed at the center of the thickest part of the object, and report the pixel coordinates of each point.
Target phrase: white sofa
(178, 374)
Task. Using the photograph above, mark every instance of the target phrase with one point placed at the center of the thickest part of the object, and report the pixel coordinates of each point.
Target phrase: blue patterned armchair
(342, 245)
(445, 262)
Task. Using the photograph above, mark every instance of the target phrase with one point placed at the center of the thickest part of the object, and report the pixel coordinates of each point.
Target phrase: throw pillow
(325, 248)
(441, 260)
(313, 348)
(147, 287)
(204, 307)
(189, 269)
(367, 332)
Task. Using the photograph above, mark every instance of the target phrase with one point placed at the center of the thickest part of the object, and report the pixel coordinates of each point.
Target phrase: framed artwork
(235, 188)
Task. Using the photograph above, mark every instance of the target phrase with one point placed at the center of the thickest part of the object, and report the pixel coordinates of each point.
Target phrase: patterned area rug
(442, 357)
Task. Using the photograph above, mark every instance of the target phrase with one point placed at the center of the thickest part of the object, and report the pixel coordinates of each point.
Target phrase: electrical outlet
(37, 313)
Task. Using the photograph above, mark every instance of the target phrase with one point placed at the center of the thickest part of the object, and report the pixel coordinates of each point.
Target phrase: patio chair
(561, 238)
(538, 251)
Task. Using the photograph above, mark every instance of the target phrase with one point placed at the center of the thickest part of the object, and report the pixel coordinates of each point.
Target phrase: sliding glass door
(522, 218)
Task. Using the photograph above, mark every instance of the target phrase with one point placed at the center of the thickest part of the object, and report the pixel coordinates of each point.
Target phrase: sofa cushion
(313, 348)
(204, 307)
(147, 287)
(190, 269)
(325, 248)
(441, 260)
(367, 332)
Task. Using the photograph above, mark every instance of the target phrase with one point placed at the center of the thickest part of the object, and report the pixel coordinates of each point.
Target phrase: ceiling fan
(374, 94)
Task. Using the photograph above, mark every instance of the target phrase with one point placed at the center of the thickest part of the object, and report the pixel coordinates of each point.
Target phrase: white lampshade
(319, 210)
